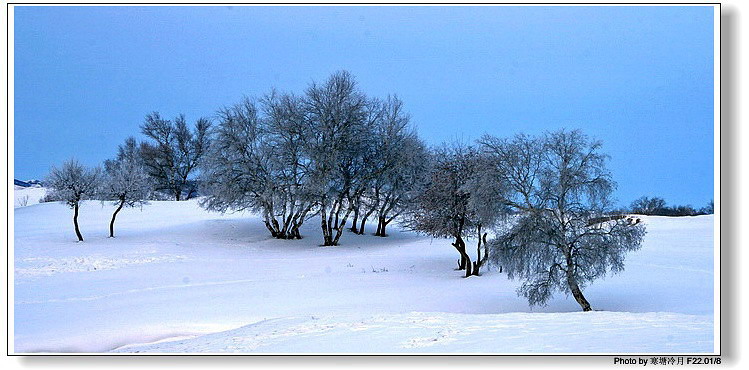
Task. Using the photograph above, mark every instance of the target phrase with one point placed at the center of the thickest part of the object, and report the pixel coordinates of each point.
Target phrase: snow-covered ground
(179, 279)
(26, 196)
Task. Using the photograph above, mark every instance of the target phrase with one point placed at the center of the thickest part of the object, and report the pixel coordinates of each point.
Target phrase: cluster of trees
(140, 171)
(656, 206)
(546, 200)
(331, 152)
(537, 207)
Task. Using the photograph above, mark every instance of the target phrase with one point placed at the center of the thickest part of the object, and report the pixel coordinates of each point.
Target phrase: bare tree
(399, 162)
(488, 193)
(126, 182)
(237, 171)
(286, 128)
(370, 163)
(336, 115)
(258, 161)
(23, 201)
(442, 208)
(560, 237)
(391, 162)
(72, 183)
(398, 185)
(174, 153)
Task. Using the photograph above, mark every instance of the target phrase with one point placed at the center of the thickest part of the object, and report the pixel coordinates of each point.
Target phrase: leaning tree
(561, 236)
(126, 182)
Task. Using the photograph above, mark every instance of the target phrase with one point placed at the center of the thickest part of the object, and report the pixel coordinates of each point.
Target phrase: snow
(179, 279)
(421, 332)
(26, 196)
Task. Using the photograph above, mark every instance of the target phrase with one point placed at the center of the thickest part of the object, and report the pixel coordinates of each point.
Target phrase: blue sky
(638, 78)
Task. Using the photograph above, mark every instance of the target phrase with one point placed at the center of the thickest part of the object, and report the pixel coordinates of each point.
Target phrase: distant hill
(27, 183)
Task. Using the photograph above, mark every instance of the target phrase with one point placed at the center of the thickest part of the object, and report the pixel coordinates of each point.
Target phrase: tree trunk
(270, 228)
(574, 288)
(366, 216)
(178, 194)
(354, 227)
(465, 259)
(114, 215)
(277, 227)
(75, 222)
(480, 261)
(341, 226)
(326, 231)
(382, 230)
(380, 226)
(325, 234)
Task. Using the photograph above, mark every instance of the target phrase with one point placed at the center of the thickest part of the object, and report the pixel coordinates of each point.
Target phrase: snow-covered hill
(27, 183)
(200, 282)
(27, 195)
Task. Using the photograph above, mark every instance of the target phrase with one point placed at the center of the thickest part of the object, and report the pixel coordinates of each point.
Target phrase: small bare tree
(561, 236)
(72, 183)
(126, 182)
(23, 201)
